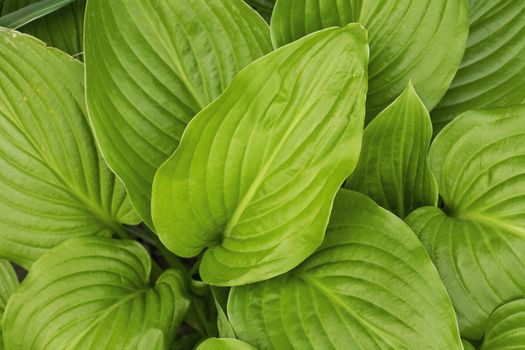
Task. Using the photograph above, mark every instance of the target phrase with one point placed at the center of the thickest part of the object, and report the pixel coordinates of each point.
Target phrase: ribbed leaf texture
(505, 329)
(369, 286)
(418, 40)
(393, 168)
(477, 240)
(54, 184)
(94, 293)
(492, 73)
(253, 180)
(8, 285)
(62, 29)
(224, 344)
(151, 66)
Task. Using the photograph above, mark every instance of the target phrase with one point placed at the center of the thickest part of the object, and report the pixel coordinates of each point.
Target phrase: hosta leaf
(369, 286)
(264, 7)
(418, 40)
(253, 180)
(392, 168)
(152, 339)
(224, 344)
(493, 70)
(94, 293)
(467, 345)
(61, 29)
(54, 184)
(505, 329)
(477, 241)
(151, 66)
(8, 284)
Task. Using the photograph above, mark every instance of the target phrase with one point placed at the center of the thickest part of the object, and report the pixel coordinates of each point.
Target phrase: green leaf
(259, 205)
(151, 66)
(93, 293)
(152, 339)
(477, 240)
(492, 73)
(467, 345)
(505, 329)
(224, 344)
(392, 168)
(418, 40)
(54, 184)
(369, 286)
(57, 22)
(264, 7)
(8, 284)
(220, 296)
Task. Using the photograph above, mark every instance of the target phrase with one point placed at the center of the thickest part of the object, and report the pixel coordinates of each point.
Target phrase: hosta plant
(259, 174)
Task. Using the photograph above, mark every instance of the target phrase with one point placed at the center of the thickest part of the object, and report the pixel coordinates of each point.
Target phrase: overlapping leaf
(420, 40)
(505, 329)
(8, 285)
(264, 7)
(477, 241)
(61, 29)
(369, 286)
(54, 184)
(224, 344)
(392, 168)
(253, 180)
(493, 70)
(93, 293)
(151, 66)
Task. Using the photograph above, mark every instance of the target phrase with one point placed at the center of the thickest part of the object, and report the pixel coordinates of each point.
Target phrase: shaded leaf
(93, 293)
(151, 66)
(52, 21)
(492, 72)
(369, 286)
(505, 328)
(392, 168)
(264, 7)
(418, 40)
(467, 345)
(8, 284)
(477, 241)
(224, 344)
(54, 184)
(259, 205)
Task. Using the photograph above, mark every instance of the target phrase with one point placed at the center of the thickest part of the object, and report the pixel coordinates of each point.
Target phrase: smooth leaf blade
(54, 184)
(427, 48)
(93, 293)
(146, 82)
(258, 206)
(224, 344)
(505, 329)
(60, 27)
(492, 72)
(369, 286)
(477, 240)
(393, 168)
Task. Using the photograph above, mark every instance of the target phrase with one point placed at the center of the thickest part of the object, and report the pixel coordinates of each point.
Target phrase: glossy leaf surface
(492, 72)
(369, 286)
(151, 66)
(253, 180)
(94, 293)
(477, 240)
(393, 168)
(418, 40)
(54, 184)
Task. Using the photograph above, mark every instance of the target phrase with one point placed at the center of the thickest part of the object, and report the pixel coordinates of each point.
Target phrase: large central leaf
(418, 40)
(94, 293)
(477, 241)
(151, 66)
(369, 286)
(54, 184)
(254, 177)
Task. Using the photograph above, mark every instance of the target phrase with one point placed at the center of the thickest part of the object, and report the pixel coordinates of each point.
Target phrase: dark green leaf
(392, 168)
(94, 293)
(253, 180)
(418, 40)
(54, 184)
(151, 66)
(492, 73)
(264, 7)
(369, 286)
(224, 344)
(477, 240)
